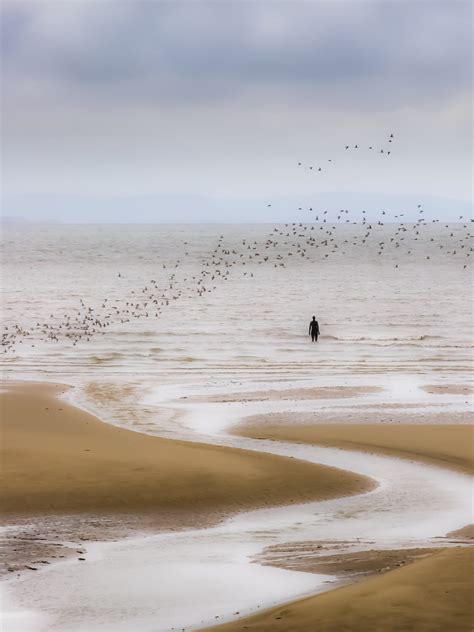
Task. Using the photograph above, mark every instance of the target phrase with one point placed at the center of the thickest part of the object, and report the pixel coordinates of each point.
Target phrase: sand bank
(448, 389)
(393, 599)
(433, 594)
(450, 445)
(365, 414)
(82, 479)
(309, 557)
(317, 392)
(58, 458)
(466, 534)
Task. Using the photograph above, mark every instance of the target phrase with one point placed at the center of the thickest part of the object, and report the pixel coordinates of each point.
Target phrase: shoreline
(68, 472)
(374, 582)
(391, 602)
(445, 445)
(302, 609)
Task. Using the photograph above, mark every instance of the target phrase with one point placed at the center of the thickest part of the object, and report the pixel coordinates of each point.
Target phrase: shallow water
(396, 328)
(411, 323)
(374, 318)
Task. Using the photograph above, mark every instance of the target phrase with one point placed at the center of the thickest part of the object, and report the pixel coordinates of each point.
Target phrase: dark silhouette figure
(314, 329)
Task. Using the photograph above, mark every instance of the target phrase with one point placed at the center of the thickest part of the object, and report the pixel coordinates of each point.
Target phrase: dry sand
(451, 445)
(59, 459)
(430, 595)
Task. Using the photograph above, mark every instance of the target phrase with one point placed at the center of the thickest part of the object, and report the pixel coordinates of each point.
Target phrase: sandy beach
(58, 460)
(335, 392)
(236, 386)
(448, 444)
(422, 596)
(442, 578)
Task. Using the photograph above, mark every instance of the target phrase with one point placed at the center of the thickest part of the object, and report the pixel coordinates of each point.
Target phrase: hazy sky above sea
(200, 111)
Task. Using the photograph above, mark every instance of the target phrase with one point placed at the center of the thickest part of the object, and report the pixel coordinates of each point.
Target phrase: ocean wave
(116, 356)
(108, 357)
(375, 340)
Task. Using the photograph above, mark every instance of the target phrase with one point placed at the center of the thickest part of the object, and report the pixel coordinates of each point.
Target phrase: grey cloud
(371, 52)
(218, 101)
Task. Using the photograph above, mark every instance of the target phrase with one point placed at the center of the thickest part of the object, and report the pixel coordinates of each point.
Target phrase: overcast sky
(200, 111)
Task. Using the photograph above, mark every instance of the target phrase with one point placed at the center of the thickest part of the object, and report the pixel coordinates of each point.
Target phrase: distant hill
(179, 208)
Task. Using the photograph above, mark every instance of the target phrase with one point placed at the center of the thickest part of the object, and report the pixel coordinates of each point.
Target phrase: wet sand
(310, 557)
(448, 389)
(59, 461)
(318, 392)
(450, 445)
(410, 579)
(432, 594)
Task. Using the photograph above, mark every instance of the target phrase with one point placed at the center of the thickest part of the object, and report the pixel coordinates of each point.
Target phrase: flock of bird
(329, 235)
(386, 151)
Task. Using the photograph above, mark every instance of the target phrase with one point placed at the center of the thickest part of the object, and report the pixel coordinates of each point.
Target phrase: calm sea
(226, 304)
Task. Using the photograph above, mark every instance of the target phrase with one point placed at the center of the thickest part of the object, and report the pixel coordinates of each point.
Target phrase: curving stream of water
(190, 579)
(394, 322)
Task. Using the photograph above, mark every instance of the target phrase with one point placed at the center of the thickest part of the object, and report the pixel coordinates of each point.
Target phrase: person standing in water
(314, 329)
